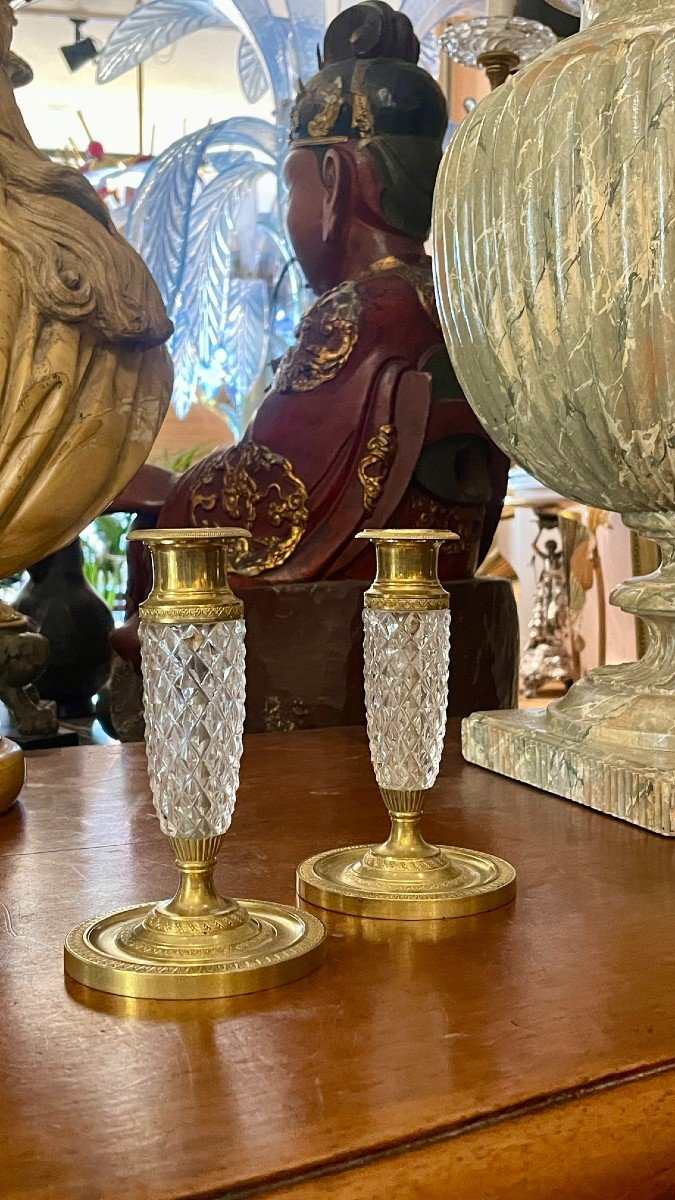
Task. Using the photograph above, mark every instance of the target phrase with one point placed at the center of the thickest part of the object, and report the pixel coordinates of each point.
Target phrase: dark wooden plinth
(304, 652)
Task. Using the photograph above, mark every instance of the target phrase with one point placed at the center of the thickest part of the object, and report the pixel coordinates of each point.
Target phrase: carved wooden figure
(365, 425)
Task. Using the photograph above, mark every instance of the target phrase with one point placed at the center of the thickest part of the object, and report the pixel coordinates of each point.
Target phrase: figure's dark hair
(371, 90)
(371, 29)
(407, 168)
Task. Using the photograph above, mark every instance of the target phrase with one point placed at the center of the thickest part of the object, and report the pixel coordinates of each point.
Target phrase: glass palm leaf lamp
(197, 944)
(406, 652)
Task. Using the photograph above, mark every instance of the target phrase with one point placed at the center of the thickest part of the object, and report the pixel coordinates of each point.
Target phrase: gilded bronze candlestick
(407, 642)
(196, 944)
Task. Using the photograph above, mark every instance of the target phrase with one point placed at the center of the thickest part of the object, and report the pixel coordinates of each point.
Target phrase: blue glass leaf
(160, 215)
(430, 54)
(209, 293)
(290, 295)
(245, 337)
(251, 73)
(158, 23)
(150, 28)
(185, 363)
(287, 295)
(269, 35)
(308, 22)
(251, 132)
(206, 278)
(224, 160)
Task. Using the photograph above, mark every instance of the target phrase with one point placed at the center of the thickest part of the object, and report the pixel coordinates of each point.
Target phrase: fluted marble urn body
(554, 229)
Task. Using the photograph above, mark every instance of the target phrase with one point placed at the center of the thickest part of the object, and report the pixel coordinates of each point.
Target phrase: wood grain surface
(524, 1052)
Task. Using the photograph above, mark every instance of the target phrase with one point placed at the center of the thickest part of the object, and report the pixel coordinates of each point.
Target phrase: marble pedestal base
(635, 786)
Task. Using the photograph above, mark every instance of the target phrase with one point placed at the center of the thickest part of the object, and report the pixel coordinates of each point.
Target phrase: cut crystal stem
(193, 696)
(406, 682)
(406, 658)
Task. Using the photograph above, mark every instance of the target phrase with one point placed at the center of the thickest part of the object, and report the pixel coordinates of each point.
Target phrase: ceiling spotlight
(81, 51)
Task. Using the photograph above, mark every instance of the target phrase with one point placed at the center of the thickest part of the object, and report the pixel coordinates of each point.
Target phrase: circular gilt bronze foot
(150, 951)
(443, 881)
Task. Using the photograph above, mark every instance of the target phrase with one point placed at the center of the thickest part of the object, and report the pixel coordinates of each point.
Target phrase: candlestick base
(365, 881)
(198, 944)
(139, 951)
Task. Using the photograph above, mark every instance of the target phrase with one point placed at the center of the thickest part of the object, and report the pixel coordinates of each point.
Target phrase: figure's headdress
(369, 84)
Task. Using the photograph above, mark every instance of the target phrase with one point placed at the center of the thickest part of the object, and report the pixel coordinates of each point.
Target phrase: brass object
(376, 464)
(197, 944)
(407, 569)
(253, 482)
(406, 878)
(190, 575)
(12, 772)
(498, 65)
(327, 336)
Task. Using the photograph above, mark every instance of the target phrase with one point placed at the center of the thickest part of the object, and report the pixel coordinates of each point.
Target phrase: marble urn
(554, 232)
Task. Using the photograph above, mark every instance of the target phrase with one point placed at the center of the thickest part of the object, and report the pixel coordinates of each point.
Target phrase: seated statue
(365, 424)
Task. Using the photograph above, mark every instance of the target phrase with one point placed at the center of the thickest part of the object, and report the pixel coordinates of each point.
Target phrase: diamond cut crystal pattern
(193, 696)
(406, 681)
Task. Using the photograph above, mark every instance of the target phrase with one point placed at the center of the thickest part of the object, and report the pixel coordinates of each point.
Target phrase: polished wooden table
(526, 1053)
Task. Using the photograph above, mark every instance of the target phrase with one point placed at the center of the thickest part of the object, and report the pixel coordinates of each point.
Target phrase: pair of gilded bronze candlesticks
(192, 641)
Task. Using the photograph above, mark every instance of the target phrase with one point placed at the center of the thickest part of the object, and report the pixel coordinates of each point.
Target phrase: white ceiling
(186, 86)
(112, 9)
